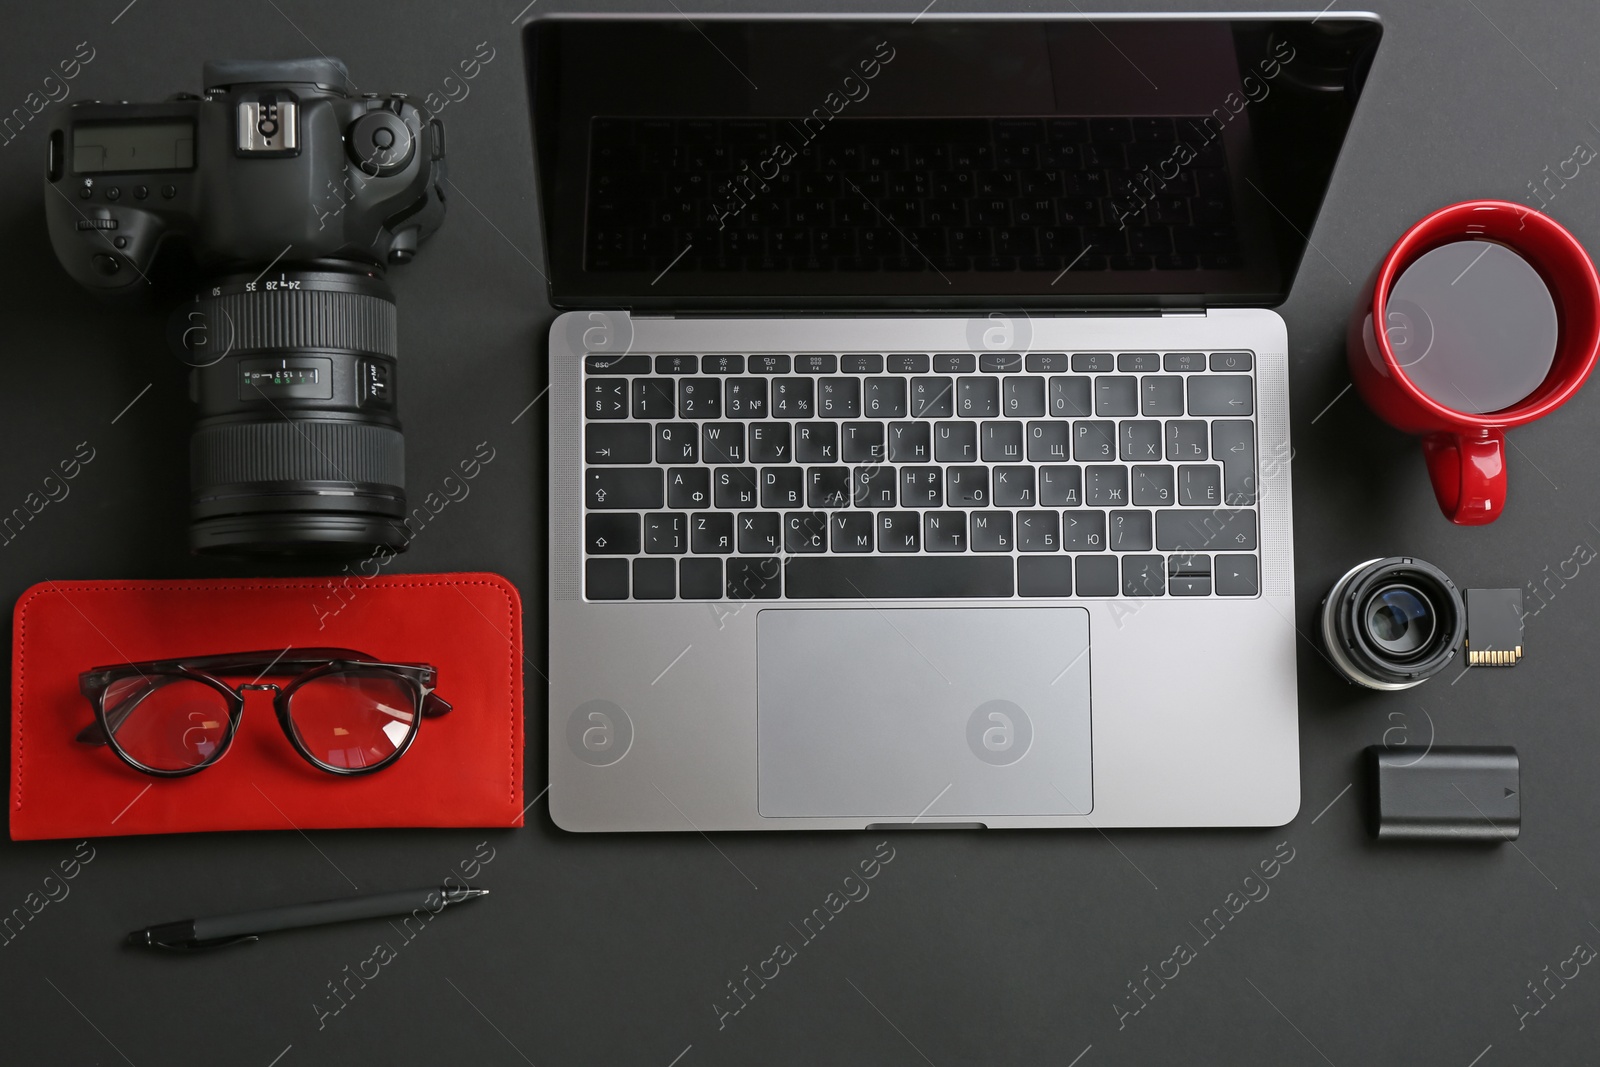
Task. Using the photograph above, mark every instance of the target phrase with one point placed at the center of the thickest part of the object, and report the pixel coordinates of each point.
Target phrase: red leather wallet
(465, 768)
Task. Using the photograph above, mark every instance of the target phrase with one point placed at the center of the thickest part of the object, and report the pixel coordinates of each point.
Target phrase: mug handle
(1468, 474)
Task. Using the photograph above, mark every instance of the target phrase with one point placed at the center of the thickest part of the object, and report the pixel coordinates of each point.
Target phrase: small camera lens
(1400, 619)
(1393, 623)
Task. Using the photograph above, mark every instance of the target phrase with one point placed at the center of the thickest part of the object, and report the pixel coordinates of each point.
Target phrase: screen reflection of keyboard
(919, 475)
(868, 194)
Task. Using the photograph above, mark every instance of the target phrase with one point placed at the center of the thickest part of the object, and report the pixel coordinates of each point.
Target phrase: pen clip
(201, 945)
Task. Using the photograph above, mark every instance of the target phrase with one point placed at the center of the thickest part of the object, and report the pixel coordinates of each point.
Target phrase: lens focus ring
(303, 450)
(266, 320)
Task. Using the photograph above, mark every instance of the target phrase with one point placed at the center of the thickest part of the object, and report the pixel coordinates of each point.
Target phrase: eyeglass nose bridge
(259, 685)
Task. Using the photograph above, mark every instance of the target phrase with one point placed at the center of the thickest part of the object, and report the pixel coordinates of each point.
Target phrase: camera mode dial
(380, 143)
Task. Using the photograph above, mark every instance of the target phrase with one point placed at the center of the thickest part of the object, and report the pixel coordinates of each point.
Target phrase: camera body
(291, 196)
(275, 163)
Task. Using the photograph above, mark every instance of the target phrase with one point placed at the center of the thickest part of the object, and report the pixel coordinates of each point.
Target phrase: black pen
(246, 926)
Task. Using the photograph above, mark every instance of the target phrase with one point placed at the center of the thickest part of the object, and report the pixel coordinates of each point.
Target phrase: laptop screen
(717, 163)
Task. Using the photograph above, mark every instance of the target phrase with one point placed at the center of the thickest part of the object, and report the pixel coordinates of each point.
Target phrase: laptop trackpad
(937, 712)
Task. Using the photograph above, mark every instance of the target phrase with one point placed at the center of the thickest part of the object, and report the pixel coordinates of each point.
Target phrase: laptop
(919, 419)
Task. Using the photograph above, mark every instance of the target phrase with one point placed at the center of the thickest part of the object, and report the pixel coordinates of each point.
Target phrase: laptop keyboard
(880, 194)
(824, 476)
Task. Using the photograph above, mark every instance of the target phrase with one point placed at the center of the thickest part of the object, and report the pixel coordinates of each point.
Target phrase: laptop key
(1002, 442)
(1060, 486)
(1161, 394)
(677, 442)
(1094, 441)
(665, 533)
(944, 531)
(1130, 531)
(1220, 394)
(711, 533)
(1083, 531)
(892, 577)
(1237, 576)
(850, 531)
(655, 579)
(722, 442)
(932, 398)
(616, 442)
(1152, 485)
(805, 531)
(1023, 397)
(1234, 443)
(760, 532)
(1189, 575)
(1194, 530)
(955, 442)
(839, 398)
(1069, 398)
(769, 443)
(1049, 441)
(1141, 440)
(605, 579)
(1013, 486)
(654, 398)
(746, 399)
(1107, 486)
(1186, 441)
(735, 487)
(816, 442)
(1044, 576)
(1143, 576)
(782, 487)
(1038, 531)
(827, 487)
(977, 398)
(863, 442)
(700, 579)
(1116, 394)
(700, 398)
(874, 486)
(624, 488)
(992, 531)
(755, 579)
(899, 531)
(967, 486)
(1097, 576)
(884, 398)
(921, 487)
(910, 442)
(1199, 485)
(688, 487)
(793, 398)
(611, 534)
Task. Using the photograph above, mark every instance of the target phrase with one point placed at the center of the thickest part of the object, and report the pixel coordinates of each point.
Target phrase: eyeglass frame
(420, 679)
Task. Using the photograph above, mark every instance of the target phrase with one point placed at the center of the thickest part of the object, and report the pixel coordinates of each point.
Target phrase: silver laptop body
(755, 624)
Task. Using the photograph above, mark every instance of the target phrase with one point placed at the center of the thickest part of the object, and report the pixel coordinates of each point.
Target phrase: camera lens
(297, 448)
(1392, 623)
(1400, 619)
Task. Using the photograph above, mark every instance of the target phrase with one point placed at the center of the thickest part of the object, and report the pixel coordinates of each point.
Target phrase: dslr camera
(290, 196)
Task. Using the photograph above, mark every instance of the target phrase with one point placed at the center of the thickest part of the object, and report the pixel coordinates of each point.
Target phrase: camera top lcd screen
(122, 147)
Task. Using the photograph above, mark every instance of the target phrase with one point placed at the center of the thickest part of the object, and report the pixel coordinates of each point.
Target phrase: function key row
(923, 363)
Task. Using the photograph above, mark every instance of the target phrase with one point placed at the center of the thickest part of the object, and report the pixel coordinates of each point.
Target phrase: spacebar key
(886, 578)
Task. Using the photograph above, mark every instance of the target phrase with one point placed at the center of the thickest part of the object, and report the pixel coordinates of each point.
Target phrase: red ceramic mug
(1465, 451)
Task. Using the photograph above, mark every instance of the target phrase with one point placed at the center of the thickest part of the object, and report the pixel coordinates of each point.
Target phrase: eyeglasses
(344, 711)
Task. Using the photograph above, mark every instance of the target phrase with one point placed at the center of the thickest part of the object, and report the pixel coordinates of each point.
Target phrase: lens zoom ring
(304, 318)
(296, 451)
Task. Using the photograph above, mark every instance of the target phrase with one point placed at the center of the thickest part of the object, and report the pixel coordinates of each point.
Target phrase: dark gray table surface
(1013, 948)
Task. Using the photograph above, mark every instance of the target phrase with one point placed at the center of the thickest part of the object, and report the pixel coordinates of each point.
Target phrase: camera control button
(168, 192)
(85, 192)
(383, 137)
(141, 191)
(106, 265)
(113, 193)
